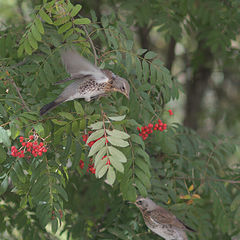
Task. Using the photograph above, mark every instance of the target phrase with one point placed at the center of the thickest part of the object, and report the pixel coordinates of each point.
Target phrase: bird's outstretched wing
(78, 67)
(161, 215)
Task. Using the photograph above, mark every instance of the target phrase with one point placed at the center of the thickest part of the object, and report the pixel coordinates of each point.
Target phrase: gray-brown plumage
(89, 81)
(161, 221)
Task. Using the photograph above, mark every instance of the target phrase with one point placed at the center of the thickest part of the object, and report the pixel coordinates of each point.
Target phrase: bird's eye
(123, 88)
(139, 202)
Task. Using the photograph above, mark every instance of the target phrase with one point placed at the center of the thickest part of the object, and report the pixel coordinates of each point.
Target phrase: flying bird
(161, 221)
(89, 83)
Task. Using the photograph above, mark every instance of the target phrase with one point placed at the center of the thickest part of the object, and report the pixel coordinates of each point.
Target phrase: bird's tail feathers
(48, 107)
(187, 227)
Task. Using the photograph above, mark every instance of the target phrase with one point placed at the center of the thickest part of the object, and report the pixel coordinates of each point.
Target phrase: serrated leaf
(117, 141)
(141, 188)
(64, 27)
(117, 118)
(102, 171)
(39, 26)
(145, 70)
(45, 17)
(32, 41)
(137, 139)
(58, 122)
(116, 164)
(61, 191)
(36, 34)
(97, 146)
(100, 155)
(68, 33)
(118, 134)
(66, 115)
(80, 21)
(117, 154)
(100, 164)
(20, 50)
(54, 225)
(4, 186)
(96, 125)
(78, 107)
(27, 47)
(95, 135)
(143, 178)
(111, 176)
(4, 138)
(138, 69)
(75, 10)
(150, 55)
(142, 153)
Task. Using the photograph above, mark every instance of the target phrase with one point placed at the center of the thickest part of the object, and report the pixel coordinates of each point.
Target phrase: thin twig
(18, 92)
(19, 64)
(92, 45)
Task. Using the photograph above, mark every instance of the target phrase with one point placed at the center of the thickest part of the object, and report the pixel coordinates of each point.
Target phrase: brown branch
(18, 92)
(209, 179)
(92, 45)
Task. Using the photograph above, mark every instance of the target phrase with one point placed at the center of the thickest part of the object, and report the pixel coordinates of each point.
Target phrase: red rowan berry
(170, 112)
(31, 137)
(150, 125)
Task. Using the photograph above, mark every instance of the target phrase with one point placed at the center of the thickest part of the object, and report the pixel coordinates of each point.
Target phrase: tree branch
(18, 92)
(92, 45)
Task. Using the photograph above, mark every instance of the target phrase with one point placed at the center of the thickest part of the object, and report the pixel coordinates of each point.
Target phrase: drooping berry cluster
(30, 146)
(146, 130)
(90, 169)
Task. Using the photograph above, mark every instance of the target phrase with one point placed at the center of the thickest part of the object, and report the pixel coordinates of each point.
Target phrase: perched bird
(90, 82)
(161, 221)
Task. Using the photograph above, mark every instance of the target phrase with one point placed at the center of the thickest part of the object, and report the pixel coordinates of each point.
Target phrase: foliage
(176, 167)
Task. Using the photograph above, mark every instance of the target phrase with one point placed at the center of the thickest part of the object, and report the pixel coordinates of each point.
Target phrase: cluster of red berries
(29, 145)
(146, 130)
(60, 213)
(90, 169)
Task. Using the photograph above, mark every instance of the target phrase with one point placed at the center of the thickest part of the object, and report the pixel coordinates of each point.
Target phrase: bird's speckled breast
(168, 232)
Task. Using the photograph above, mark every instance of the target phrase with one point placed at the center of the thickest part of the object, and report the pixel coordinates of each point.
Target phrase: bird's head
(145, 204)
(121, 85)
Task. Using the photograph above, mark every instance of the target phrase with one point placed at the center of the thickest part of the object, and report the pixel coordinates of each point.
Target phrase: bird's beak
(127, 95)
